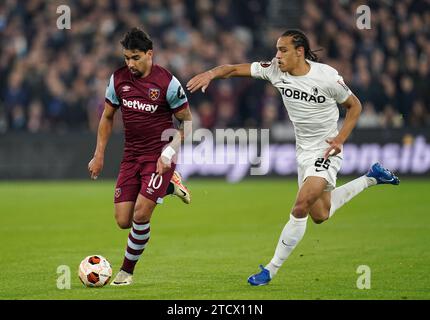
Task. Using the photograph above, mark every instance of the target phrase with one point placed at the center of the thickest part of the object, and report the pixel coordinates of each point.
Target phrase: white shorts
(312, 164)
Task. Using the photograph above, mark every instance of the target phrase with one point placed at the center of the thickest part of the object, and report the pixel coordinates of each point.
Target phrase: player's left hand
(334, 149)
(163, 165)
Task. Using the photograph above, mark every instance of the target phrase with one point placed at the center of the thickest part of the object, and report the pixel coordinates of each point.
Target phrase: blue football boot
(260, 279)
(382, 175)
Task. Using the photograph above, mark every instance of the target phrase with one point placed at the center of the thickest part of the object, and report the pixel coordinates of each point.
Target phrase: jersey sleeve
(339, 90)
(110, 95)
(176, 95)
(265, 70)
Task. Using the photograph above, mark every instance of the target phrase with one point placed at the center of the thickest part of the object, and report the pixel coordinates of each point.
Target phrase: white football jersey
(310, 100)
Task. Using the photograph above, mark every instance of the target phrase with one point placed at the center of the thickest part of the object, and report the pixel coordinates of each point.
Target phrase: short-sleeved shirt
(147, 105)
(311, 100)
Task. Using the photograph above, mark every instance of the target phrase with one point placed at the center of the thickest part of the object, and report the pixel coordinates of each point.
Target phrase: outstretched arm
(202, 80)
(95, 166)
(353, 110)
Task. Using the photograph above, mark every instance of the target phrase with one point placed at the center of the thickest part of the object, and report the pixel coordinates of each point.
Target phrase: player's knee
(142, 213)
(300, 209)
(122, 221)
(123, 216)
(123, 224)
(319, 219)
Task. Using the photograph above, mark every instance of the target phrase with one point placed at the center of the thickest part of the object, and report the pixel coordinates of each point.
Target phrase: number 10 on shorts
(155, 181)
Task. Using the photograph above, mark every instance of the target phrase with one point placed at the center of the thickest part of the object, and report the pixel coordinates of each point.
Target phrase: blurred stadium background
(53, 81)
(52, 85)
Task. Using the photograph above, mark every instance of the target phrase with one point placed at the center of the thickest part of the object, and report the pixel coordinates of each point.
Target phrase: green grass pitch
(208, 249)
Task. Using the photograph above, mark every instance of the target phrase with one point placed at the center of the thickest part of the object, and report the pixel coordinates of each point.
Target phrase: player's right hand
(163, 165)
(334, 148)
(95, 166)
(201, 80)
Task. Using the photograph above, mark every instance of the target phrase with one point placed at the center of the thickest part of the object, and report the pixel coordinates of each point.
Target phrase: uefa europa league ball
(95, 271)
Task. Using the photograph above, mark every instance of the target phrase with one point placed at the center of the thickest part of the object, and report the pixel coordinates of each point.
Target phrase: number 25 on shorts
(321, 163)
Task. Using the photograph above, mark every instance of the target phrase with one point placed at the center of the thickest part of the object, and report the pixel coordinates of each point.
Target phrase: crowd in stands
(54, 79)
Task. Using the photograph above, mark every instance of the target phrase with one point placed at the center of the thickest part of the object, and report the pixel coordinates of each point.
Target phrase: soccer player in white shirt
(310, 92)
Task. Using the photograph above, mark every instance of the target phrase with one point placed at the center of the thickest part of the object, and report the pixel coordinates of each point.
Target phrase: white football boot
(122, 279)
(180, 190)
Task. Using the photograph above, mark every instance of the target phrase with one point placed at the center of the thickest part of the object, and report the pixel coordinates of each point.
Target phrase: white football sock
(291, 235)
(343, 194)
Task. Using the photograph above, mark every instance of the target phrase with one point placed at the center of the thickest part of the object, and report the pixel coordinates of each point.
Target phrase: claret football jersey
(147, 105)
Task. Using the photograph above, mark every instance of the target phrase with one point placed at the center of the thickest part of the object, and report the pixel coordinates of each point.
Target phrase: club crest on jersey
(154, 94)
(265, 64)
(315, 91)
(117, 192)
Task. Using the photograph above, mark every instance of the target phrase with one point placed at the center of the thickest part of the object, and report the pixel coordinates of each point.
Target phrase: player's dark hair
(300, 40)
(137, 39)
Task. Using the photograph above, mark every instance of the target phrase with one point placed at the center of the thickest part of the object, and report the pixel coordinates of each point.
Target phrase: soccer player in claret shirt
(148, 96)
(310, 92)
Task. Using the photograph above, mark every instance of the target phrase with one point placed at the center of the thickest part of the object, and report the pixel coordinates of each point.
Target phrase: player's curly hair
(300, 40)
(137, 39)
